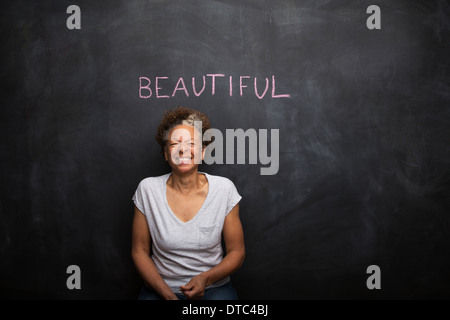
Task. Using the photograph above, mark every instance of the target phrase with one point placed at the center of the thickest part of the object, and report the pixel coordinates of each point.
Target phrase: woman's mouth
(184, 160)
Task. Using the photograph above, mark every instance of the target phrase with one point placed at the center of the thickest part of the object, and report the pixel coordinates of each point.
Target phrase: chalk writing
(159, 87)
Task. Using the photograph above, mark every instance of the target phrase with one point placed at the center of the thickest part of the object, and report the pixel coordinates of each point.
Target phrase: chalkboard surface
(364, 151)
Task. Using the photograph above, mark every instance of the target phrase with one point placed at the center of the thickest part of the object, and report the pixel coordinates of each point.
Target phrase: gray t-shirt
(182, 250)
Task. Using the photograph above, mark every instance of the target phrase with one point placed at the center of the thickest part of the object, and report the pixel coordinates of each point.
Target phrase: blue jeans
(223, 292)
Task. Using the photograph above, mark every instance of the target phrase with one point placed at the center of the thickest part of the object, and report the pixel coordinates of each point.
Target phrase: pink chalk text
(160, 87)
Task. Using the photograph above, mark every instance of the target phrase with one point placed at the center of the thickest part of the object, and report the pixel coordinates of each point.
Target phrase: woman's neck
(185, 183)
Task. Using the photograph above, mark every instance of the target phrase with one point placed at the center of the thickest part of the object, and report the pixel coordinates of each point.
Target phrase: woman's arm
(140, 252)
(235, 253)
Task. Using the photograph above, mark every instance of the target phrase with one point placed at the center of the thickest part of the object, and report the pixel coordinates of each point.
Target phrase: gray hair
(193, 120)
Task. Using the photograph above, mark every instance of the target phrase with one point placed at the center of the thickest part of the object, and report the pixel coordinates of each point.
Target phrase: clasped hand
(195, 288)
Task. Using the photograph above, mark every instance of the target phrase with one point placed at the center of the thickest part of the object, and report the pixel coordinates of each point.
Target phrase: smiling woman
(182, 217)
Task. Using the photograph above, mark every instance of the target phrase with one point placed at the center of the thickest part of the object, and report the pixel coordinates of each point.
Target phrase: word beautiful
(159, 88)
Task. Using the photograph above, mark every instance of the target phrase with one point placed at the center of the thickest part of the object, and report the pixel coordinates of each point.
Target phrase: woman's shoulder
(219, 180)
(153, 181)
(223, 188)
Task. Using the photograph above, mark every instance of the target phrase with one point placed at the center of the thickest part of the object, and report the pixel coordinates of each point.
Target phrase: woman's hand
(195, 289)
(234, 243)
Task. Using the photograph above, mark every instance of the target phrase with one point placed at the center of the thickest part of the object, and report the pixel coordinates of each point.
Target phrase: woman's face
(184, 149)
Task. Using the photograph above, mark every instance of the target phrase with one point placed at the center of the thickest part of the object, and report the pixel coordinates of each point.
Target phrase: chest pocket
(209, 236)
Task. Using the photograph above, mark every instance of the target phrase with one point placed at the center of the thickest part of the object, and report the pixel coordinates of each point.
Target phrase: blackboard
(364, 152)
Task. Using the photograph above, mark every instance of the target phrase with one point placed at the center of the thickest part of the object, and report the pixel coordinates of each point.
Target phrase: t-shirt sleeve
(233, 197)
(138, 198)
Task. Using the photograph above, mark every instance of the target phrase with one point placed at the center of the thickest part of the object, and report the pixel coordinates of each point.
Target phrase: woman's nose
(184, 148)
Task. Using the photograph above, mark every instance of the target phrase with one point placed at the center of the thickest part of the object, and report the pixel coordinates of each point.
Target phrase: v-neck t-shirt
(182, 250)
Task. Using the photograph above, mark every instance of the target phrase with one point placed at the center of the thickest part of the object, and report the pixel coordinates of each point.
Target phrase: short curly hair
(180, 116)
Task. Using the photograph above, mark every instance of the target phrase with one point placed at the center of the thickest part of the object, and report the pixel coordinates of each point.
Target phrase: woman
(182, 216)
